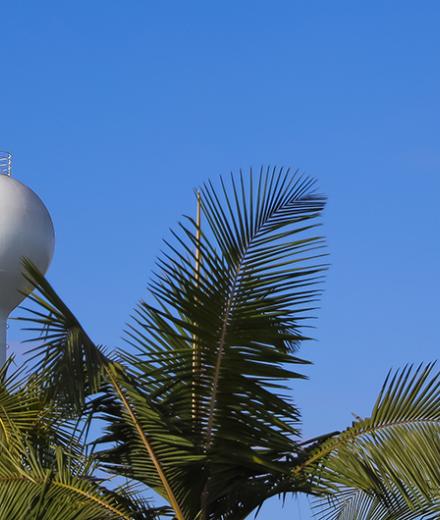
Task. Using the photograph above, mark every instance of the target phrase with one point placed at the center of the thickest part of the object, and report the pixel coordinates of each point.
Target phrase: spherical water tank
(26, 231)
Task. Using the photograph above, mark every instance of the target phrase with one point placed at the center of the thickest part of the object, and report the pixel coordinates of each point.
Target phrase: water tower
(26, 231)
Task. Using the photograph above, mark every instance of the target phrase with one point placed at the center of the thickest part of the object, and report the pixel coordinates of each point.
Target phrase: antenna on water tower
(26, 231)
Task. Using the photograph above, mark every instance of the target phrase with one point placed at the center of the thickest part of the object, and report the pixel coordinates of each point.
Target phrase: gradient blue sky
(116, 110)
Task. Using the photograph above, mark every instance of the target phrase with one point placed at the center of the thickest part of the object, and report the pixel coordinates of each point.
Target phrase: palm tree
(197, 406)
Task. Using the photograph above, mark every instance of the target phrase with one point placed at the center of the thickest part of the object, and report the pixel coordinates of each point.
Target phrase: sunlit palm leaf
(387, 466)
(151, 449)
(57, 486)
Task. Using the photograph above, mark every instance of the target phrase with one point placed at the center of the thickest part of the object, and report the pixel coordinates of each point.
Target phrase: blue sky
(115, 111)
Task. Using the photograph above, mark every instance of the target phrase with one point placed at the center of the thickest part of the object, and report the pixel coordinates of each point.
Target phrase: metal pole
(196, 354)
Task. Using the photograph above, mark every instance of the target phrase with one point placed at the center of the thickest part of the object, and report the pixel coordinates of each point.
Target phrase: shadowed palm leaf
(60, 331)
(217, 347)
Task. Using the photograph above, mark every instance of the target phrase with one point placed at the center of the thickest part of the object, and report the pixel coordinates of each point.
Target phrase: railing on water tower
(5, 163)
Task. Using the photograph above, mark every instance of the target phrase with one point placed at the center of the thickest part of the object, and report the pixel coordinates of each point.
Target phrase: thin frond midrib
(69, 487)
(229, 310)
(148, 447)
(92, 498)
(350, 435)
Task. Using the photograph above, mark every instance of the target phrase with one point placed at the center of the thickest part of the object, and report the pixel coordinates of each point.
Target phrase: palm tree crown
(197, 406)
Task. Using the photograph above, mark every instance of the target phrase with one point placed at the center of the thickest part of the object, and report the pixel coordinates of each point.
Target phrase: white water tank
(26, 231)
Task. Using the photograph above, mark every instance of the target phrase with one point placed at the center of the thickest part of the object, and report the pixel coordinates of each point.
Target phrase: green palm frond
(43, 482)
(241, 314)
(20, 409)
(63, 343)
(67, 363)
(148, 448)
(24, 410)
(387, 466)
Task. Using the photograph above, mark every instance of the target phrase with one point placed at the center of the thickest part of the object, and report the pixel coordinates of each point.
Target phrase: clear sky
(116, 110)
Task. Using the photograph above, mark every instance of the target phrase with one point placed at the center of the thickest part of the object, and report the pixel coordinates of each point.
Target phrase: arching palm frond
(105, 386)
(44, 473)
(69, 366)
(25, 411)
(218, 345)
(387, 466)
(32, 490)
(20, 409)
(158, 454)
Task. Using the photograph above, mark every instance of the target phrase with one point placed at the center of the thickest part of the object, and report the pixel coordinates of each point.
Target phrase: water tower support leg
(3, 327)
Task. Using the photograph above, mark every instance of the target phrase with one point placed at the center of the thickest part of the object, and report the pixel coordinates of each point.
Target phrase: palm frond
(65, 354)
(386, 466)
(238, 292)
(67, 363)
(25, 410)
(151, 449)
(32, 489)
(20, 409)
